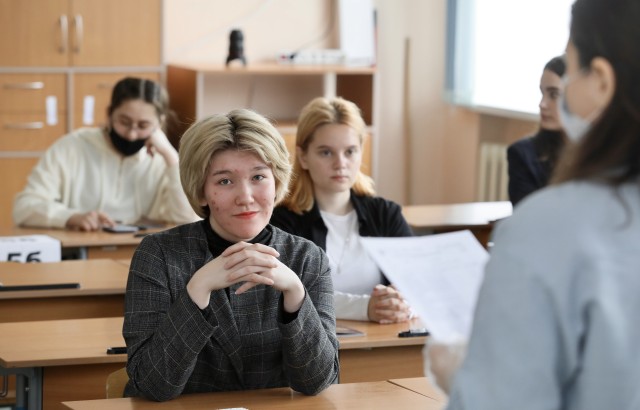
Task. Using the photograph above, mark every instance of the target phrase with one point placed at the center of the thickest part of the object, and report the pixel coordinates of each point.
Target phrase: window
(496, 50)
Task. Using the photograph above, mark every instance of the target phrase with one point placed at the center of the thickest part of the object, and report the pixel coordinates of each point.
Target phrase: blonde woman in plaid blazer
(230, 302)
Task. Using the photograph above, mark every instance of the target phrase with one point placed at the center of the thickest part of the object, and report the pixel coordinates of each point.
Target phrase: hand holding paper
(439, 275)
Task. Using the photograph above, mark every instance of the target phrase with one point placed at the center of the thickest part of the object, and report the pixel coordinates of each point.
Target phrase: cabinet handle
(64, 32)
(32, 85)
(79, 32)
(37, 125)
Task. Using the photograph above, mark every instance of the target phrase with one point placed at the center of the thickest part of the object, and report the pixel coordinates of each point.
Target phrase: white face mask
(574, 126)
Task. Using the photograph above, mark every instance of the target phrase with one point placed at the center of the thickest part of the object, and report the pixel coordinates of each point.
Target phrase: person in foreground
(123, 173)
(532, 160)
(556, 324)
(332, 203)
(230, 302)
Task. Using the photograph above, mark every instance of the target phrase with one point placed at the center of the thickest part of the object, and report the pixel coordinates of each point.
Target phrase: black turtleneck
(218, 244)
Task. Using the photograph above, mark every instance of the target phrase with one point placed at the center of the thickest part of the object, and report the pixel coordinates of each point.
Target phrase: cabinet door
(115, 32)
(27, 123)
(92, 93)
(34, 33)
(15, 172)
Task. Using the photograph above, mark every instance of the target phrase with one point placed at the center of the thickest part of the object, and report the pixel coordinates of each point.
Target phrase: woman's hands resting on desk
(253, 264)
(89, 221)
(388, 306)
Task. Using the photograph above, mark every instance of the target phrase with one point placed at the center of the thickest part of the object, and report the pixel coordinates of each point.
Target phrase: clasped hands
(253, 264)
(388, 306)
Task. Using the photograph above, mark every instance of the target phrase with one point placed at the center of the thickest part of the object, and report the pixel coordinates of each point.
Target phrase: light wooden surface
(458, 216)
(31, 33)
(101, 292)
(380, 354)
(98, 244)
(60, 342)
(422, 386)
(73, 352)
(370, 395)
(478, 217)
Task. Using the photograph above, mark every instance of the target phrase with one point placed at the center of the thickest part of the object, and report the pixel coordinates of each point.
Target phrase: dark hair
(556, 65)
(608, 29)
(132, 88)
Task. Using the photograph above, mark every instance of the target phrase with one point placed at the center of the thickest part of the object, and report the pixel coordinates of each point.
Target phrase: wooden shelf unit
(276, 91)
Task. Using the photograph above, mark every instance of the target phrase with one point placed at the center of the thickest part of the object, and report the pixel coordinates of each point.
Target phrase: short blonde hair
(318, 112)
(242, 130)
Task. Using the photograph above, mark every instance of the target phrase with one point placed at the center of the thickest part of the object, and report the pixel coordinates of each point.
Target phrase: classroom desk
(478, 217)
(380, 354)
(101, 293)
(50, 356)
(70, 353)
(420, 385)
(368, 395)
(90, 245)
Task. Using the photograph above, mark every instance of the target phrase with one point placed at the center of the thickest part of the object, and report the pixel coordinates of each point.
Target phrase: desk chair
(116, 382)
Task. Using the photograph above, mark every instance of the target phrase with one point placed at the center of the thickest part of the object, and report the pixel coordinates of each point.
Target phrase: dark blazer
(239, 341)
(531, 162)
(377, 217)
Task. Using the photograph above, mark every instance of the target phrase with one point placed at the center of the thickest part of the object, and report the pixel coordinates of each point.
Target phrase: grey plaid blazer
(239, 341)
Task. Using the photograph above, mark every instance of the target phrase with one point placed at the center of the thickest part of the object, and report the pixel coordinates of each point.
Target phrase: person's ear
(605, 81)
(301, 155)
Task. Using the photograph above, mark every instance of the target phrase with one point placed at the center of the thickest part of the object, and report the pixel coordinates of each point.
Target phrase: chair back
(116, 382)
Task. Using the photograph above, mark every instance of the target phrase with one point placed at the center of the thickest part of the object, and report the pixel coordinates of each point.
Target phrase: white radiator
(492, 173)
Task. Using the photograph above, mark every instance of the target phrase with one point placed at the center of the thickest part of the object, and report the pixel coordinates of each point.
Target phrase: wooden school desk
(101, 292)
(90, 245)
(71, 354)
(380, 354)
(369, 395)
(53, 355)
(478, 217)
(420, 385)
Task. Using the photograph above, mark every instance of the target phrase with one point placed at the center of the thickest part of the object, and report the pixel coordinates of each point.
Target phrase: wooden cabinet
(59, 60)
(277, 91)
(82, 33)
(33, 110)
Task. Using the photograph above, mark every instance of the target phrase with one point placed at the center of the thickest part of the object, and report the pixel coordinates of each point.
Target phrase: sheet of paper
(439, 275)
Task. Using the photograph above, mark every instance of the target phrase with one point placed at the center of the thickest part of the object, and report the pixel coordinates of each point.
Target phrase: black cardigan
(377, 217)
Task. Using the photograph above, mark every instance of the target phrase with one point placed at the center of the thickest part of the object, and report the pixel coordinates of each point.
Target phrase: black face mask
(123, 145)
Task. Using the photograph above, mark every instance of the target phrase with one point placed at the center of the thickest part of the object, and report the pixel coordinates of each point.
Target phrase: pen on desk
(117, 350)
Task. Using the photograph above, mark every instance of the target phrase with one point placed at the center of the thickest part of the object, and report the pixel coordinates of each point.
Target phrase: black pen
(117, 350)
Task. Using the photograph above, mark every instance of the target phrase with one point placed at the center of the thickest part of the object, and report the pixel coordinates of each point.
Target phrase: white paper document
(439, 275)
